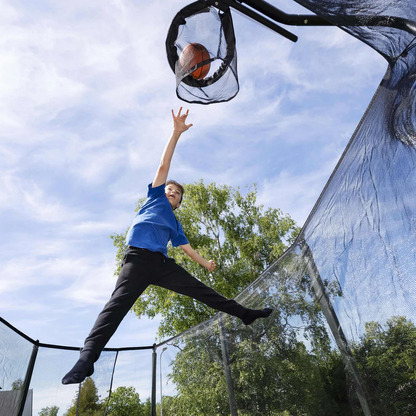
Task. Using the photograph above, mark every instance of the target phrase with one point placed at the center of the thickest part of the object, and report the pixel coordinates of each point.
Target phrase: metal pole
(153, 402)
(111, 384)
(226, 361)
(28, 378)
(257, 17)
(287, 19)
(335, 326)
(160, 370)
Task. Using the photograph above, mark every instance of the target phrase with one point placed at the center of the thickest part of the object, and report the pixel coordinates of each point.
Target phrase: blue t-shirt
(155, 224)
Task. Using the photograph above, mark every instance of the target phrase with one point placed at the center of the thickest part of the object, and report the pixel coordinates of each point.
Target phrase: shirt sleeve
(155, 192)
(180, 239)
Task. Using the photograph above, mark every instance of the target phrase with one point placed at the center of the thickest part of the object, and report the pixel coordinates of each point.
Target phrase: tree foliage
(386, 357)
(89, 401)
(124, 401)
(49, 411)
(17, 384)
(225, 225)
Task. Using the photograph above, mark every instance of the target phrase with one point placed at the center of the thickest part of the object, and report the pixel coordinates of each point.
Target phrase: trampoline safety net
(342, 337)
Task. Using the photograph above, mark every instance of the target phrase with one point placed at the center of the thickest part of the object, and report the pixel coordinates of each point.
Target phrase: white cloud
(27, 198)
(80, 273)
(89, 227)
(91, 283)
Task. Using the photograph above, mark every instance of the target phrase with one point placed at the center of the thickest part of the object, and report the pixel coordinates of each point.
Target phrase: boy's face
(173, 194)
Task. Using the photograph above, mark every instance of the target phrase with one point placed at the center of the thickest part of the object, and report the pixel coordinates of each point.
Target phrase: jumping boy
(146, 263)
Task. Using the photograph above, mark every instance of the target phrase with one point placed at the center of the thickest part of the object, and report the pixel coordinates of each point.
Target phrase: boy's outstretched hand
(211, 265)
(179, 121)
(179, 126)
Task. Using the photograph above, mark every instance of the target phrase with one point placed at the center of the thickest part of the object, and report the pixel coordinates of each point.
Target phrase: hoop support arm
(278, 15)
(253, 15)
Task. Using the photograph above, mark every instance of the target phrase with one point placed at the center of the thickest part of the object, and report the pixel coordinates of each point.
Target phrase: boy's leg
(179, 280)
(132, 281)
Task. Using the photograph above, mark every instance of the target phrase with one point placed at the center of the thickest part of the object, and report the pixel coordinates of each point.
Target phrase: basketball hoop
(213, 28)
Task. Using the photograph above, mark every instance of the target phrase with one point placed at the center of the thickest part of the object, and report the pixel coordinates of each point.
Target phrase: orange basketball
(192, 55)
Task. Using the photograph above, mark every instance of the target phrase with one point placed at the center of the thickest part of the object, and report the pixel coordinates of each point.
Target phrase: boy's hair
(172, 182)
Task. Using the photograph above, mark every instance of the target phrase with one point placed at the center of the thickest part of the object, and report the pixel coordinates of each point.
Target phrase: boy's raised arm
(179, 126)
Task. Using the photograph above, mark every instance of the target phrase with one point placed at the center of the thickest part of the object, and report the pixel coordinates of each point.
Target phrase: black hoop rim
(172, 52)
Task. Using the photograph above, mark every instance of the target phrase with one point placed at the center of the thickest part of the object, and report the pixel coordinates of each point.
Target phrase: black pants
(141, 268)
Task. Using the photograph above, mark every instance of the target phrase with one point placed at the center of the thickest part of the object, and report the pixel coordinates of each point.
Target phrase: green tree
(49, 411)
(386, 357)
(18, 384)
(124, 401)
(147, 407)
(227, 226)
(89, 401)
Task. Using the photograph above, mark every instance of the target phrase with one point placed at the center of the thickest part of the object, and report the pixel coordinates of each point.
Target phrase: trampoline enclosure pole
(318, 288)
(28, 377)
(227, 369)
(154, 359)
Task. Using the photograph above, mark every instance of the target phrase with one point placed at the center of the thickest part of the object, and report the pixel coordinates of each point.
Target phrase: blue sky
(86, 93)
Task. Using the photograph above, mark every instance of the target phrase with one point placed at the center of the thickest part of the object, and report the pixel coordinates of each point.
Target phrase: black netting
(391, 40)
(212, 28)
(31, 374)
(15, 353)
